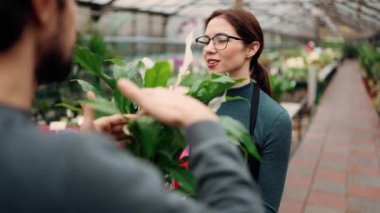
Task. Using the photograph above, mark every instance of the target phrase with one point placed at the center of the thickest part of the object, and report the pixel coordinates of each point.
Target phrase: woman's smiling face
(234, 58)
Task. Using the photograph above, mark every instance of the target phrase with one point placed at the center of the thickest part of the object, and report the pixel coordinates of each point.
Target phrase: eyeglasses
(219, 41)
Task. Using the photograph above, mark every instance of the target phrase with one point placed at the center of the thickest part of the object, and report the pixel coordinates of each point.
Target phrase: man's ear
(44, 12)
(252, 49)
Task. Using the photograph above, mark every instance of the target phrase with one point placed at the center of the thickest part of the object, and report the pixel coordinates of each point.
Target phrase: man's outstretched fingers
(129, 89)
(88, 115)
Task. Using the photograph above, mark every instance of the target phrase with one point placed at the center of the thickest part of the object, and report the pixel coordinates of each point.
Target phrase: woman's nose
(209, 47)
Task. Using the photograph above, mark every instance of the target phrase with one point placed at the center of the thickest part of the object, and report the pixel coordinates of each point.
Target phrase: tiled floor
(336, 166)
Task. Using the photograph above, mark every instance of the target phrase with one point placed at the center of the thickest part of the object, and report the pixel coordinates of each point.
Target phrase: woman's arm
(274, 161)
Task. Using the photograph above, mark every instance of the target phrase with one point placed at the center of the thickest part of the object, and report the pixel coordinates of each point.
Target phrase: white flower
(216, 102)
(188, 57)
(148, 63)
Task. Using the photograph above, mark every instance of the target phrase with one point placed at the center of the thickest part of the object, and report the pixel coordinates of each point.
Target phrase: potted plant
(149, 139)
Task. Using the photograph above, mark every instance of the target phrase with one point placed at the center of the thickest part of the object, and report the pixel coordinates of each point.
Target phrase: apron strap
(253, 163)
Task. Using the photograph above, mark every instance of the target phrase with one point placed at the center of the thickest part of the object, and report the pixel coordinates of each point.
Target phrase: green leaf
(158, 75)
(124, 105)
(213, 86)
(134, 72)
(120, 72)
(184, 178)
(70, 107)
(89, 61)
(279, 86)
(146, 131)
(101, 105)
(98, 46)
(117, 62)
(193, 80)
(88, 87)
(172, 141)
(111, 82)
(237, 132)
(130, 71)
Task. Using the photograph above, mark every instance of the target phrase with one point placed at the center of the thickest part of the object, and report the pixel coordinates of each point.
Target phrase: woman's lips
(211, 63)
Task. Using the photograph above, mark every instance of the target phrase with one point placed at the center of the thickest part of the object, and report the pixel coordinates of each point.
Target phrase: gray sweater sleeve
(108, 180)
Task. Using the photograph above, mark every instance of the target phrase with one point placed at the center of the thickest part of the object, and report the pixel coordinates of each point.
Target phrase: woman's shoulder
(273, 119)
(269, 107)
(271, 115)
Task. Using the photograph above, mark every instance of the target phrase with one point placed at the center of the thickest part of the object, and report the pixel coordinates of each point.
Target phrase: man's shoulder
(59, 143)
(33, 149)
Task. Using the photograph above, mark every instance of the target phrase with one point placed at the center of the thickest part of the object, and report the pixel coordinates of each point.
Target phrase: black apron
(253, 163)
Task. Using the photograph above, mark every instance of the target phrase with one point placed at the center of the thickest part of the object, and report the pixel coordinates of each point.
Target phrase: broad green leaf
(158, 75)
(243, 151)
(238, 132)
(279, 85)
(165, 160)
(89, 61)
(101, 105)
(98, 46)
(117, 62)
(213, 86)
(172, 140)
(124, 105)
(111, 82)
(120, 72)
(70, 107)
(193, 80)
(88, 87)
(133, 73)
(145, 130)
(184, 178)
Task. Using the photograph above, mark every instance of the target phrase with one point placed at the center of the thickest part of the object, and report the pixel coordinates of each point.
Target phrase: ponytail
(260, 74)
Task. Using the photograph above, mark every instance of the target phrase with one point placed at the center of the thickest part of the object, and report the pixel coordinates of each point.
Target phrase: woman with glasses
(232, 44)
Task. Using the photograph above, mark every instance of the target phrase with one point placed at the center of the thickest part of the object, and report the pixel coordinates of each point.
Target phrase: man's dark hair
(14, 16)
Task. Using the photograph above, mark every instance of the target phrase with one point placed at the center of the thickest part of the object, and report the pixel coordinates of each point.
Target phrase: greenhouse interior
(293, 84)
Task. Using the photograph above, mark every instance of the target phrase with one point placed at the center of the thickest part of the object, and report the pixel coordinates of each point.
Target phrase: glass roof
(291, 17)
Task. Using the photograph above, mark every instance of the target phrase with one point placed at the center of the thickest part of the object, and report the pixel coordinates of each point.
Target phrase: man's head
(51, 23)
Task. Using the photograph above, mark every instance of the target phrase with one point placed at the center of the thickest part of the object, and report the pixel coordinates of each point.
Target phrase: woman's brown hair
(249, 29)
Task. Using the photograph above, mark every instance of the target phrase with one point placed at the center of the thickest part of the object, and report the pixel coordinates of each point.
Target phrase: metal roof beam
(375, 19)
(183, 6)
(377, 10)
(347, 20)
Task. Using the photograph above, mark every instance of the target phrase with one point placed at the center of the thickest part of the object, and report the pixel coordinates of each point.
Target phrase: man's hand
(88, 116)
(111, 125)
(168, 106)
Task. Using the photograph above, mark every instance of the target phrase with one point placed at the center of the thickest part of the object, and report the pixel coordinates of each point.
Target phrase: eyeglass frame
(213, 42)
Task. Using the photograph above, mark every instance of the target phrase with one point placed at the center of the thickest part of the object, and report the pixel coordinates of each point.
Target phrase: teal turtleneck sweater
(272, 135)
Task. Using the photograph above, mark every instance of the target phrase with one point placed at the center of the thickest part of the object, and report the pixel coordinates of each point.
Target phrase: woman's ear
(252, 49)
